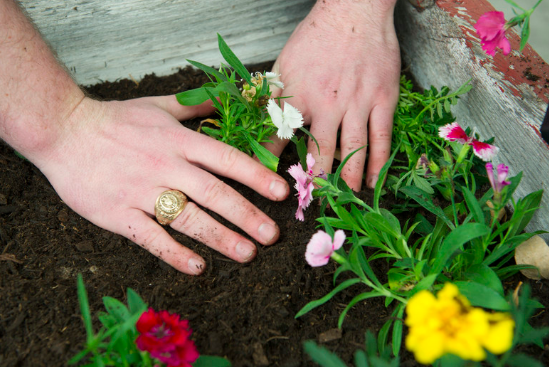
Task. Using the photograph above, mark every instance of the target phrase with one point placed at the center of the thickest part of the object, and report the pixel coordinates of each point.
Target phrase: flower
(272, 79)
(448, 324)
(454, 132)
(303, 185)
(285, 121)
(491, 27)
(499, 182)
(321, 247)
(166, 338)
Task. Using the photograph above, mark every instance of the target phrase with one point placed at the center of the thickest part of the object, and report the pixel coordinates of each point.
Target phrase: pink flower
(454, 132)
(303, 185)
(499, 182)
(166, 338)
(321, 247)
(491, 29)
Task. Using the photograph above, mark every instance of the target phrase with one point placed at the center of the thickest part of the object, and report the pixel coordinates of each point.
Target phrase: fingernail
(278, 189)
(267, 232)
(372, 181)
(245, 250)
(196, 266)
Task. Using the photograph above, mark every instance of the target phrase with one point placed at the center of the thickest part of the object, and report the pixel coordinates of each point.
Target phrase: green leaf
(195, 97)
(208, 70)
(116, 308)
(397, 330)
(524, 34)
(322, 356)
(482, 296)
(263, 154)
(211, 361)
(84, 307)
(381, 179)
(521, 360)
(425, 200)
(313, 304)
(231, 58)
(135, 302)
(457, 238)
(308, 133)
(483, 274)
(473, 205)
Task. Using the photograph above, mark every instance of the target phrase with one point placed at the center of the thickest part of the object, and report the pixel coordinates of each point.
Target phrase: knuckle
(228, 158)
(188, 217)
(148, 238)
(213, 191)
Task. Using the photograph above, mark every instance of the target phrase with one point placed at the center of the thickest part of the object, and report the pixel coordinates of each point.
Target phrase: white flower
(285, 121)
(272, 79)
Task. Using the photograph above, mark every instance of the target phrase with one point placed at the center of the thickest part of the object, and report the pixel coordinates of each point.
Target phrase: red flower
(166, 338)
(491, 27)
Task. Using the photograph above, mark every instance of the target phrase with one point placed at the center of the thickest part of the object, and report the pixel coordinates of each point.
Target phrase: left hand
(341, 66)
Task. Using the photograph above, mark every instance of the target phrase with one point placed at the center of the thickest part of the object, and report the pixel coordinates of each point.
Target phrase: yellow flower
(448, 324)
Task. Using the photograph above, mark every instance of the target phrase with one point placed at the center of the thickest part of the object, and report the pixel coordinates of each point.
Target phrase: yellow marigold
(448, 324)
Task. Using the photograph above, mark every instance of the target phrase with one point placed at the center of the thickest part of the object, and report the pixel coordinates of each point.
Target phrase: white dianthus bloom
(286, 121)
(272, 79)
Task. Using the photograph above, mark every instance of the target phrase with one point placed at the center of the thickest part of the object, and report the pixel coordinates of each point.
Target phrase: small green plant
(134, 336)
(248, 116)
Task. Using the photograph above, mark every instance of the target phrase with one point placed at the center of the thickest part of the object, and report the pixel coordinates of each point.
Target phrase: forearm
(38, 95)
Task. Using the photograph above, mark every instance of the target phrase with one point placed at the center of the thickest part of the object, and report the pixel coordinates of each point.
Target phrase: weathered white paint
(440, 48)
(112, 39)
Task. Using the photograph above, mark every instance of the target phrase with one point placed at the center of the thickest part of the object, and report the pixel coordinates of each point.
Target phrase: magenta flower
(321, 247)
(499, 182)
(166, 338)
(491, 27)
(454, 132)
(303, 185)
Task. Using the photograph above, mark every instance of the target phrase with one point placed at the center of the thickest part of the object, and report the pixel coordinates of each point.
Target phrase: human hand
(341, 66)
(113, 159)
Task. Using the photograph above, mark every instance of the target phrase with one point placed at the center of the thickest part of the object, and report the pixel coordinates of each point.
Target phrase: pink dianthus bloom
(321, 247)
(491, 27)
(454, 132)
(166, 338)
(499, 182)
(303, 185)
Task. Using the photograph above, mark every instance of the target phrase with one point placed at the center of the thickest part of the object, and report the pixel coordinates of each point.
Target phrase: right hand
(113, 159)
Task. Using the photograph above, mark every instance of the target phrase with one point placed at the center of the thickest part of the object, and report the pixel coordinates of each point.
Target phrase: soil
(243, 312)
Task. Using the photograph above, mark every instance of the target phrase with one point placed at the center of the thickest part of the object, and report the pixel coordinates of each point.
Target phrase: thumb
(180, 112)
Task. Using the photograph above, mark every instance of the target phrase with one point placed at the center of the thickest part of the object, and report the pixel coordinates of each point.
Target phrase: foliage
(114, 344)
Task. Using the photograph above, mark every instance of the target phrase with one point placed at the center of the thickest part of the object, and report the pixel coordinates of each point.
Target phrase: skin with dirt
(242, 312)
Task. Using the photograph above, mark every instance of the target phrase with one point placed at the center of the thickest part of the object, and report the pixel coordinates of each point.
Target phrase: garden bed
(242, 312)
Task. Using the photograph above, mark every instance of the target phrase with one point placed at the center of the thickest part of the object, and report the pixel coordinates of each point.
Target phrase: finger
(379, 133)
(222, 159)
(354, 135)
(197, 224)
(324, 129)
(211, 193)
(180, 112)
(144, 231)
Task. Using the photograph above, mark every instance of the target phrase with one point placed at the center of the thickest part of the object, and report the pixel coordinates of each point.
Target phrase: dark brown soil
(243, 312)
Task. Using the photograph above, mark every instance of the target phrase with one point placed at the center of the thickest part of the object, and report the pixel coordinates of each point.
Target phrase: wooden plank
(112, 39)
(440, 46)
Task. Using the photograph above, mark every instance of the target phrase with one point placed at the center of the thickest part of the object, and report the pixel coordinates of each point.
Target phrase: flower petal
(453, 132)
(339, 239)
(292, 116)
(319, 249)
(484, 151)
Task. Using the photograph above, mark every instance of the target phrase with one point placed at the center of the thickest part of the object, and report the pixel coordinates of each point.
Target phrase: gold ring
(169, 205)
